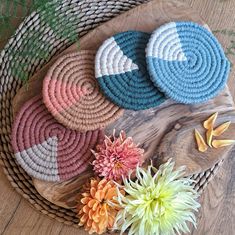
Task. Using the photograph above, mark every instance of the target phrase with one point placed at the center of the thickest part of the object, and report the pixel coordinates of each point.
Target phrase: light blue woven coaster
(122, 74)
(186, 62)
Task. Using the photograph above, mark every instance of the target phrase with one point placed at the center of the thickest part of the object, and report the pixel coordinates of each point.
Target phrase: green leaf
(61, 25)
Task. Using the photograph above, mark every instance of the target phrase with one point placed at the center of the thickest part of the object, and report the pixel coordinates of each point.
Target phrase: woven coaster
(187, 62)
(120, 68)
(47, 150)
(71, 93)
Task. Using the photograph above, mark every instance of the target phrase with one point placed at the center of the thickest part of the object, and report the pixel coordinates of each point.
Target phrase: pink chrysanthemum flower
(116, 156)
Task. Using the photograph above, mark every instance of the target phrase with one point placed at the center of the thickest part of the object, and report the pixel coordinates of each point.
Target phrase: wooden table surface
(217, 214)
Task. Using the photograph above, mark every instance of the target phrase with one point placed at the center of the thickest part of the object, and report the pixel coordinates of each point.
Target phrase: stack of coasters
(72, 95)
(46, 149)
(120, 68)
(186, 62)
(183, 61)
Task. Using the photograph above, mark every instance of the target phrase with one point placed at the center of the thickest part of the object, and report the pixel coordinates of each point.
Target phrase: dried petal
(221, 129)
(209, 123)
(209, 135)
(202, 147)
(222, 143)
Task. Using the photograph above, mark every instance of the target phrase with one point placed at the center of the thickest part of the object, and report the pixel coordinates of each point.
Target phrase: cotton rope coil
(72, 95)
(45, 149)
(186, 62)
(120, 68)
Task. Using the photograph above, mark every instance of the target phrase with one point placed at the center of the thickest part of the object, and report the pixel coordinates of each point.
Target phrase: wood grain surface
(65, 193)
(217, 213)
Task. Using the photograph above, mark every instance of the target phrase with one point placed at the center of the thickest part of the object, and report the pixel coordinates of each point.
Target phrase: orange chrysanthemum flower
(98, 206)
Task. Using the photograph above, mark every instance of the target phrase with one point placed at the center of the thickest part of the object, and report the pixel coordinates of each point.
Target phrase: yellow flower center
(118, 165)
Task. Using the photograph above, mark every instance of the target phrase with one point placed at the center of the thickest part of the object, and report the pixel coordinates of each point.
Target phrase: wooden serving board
(164, 132)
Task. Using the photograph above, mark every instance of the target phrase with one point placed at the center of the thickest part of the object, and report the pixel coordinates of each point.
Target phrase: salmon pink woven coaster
(46, 149)
(71, 93)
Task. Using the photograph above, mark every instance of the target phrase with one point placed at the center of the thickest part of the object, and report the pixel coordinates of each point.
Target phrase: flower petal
(209, 123)
(222, 143)
(200, 142)
(221, 129)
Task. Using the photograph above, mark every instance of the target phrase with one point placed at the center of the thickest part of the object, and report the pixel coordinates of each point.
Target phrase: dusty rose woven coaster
(46, 149)
(71, 93)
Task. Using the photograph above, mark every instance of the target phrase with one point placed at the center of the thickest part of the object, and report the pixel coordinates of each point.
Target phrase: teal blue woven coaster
(122, 74)
(186, 62)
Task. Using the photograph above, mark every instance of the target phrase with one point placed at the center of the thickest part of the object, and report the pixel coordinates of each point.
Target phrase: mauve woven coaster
(121, 71)
(46, 149)
(72, 95)
(186, 62)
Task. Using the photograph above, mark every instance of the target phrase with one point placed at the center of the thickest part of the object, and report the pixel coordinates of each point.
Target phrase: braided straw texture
(187, 62)
(91, 14)
(71, 93)
(121, 70)
(46, 149)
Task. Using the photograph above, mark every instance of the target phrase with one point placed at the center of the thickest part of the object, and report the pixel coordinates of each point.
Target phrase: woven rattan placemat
(91, 14)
